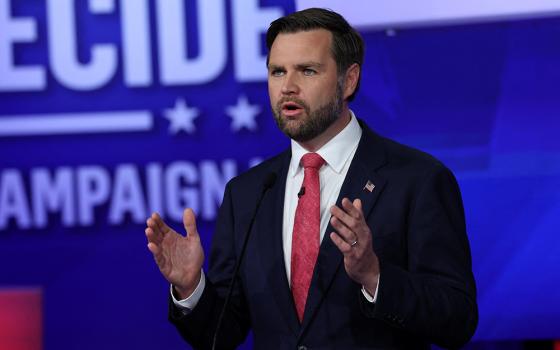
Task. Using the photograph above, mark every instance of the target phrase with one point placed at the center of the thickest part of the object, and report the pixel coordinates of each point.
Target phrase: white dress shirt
(338, 154)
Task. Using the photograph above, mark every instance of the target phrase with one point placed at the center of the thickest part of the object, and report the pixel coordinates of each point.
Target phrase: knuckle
(336, 224)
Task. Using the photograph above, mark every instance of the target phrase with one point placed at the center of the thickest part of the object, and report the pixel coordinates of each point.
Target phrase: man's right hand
(178, 257)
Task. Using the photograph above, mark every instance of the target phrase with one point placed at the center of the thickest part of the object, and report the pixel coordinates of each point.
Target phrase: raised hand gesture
(178, 257)
(353, 239)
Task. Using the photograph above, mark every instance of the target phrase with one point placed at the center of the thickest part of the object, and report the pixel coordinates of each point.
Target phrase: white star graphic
(181, 117)
(243, 114)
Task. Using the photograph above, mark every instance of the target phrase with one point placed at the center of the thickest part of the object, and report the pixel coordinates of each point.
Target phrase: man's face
(305, 93)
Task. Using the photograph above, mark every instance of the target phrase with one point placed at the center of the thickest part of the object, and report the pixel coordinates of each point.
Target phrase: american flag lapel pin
(369, 186)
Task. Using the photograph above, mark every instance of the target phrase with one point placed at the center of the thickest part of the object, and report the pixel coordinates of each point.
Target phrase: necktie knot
(312, 160)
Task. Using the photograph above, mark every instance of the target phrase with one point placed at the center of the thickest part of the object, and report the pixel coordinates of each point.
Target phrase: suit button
(302, 347)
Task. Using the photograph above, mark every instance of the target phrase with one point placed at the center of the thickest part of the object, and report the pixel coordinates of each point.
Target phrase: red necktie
(305, 236)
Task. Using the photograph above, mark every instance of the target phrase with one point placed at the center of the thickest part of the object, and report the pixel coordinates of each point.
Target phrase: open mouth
(291, 108)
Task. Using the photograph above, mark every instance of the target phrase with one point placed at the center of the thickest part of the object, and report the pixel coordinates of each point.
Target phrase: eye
(309, 71)
(277, 72)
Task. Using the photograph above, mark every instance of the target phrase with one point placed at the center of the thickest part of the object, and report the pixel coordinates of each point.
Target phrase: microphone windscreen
(269, 181)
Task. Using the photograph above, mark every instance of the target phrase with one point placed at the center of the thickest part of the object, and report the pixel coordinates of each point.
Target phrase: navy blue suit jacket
(427, 291)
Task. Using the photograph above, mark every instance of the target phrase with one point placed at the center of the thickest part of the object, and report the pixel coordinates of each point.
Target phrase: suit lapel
(369, 156)
(270, 243)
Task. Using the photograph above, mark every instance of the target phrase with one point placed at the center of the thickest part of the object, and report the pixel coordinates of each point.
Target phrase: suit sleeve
(198, 326)
(434, 297)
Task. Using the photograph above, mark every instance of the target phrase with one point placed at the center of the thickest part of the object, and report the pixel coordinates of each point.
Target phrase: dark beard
(315, 123)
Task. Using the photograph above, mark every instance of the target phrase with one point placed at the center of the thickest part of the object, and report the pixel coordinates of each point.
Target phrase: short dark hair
(347, 46)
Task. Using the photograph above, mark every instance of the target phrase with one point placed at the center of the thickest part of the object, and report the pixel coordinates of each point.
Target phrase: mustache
(292, 99)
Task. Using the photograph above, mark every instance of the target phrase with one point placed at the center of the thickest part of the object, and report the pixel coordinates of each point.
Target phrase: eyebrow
(298, 66)
(309, 64)
(274, 67)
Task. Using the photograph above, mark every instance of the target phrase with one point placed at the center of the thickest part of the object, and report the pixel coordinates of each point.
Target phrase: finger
(351, 209)
(358, 204)
(157, 253)
(366, 232)
(161, 225)
(189, 221)
(155, 223)
(343, 231)
(153, 248)
(151, 223)
(341, 215)
(152, 236)
(154, 232)
(351, 222)
(341, 244)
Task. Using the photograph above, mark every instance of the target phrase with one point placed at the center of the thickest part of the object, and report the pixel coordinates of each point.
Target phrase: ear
(351, 80)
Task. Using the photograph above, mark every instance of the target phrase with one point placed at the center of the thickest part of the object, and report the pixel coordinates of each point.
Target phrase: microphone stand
(267, 184)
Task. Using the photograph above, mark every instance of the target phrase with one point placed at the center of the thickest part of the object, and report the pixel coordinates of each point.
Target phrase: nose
(290, 85)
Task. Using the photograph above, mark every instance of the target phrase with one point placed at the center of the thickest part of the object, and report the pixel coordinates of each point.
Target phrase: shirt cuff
(189, 303)
(371, 299)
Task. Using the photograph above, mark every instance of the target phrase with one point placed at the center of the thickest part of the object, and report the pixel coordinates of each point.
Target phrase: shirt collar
(336, 152)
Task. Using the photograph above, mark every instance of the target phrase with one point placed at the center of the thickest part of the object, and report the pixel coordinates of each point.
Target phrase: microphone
(301, 192)
(268, 182)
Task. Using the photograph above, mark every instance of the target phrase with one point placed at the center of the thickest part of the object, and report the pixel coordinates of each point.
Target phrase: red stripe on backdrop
(557, 345)
(21, 319)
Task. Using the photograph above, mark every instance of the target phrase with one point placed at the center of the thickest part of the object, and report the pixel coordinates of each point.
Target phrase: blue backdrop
(110, 110)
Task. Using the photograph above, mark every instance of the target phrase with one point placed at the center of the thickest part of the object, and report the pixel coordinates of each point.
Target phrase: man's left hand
(353, 239)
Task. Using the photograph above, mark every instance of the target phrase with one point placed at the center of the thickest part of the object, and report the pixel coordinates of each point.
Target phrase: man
(359, 243)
